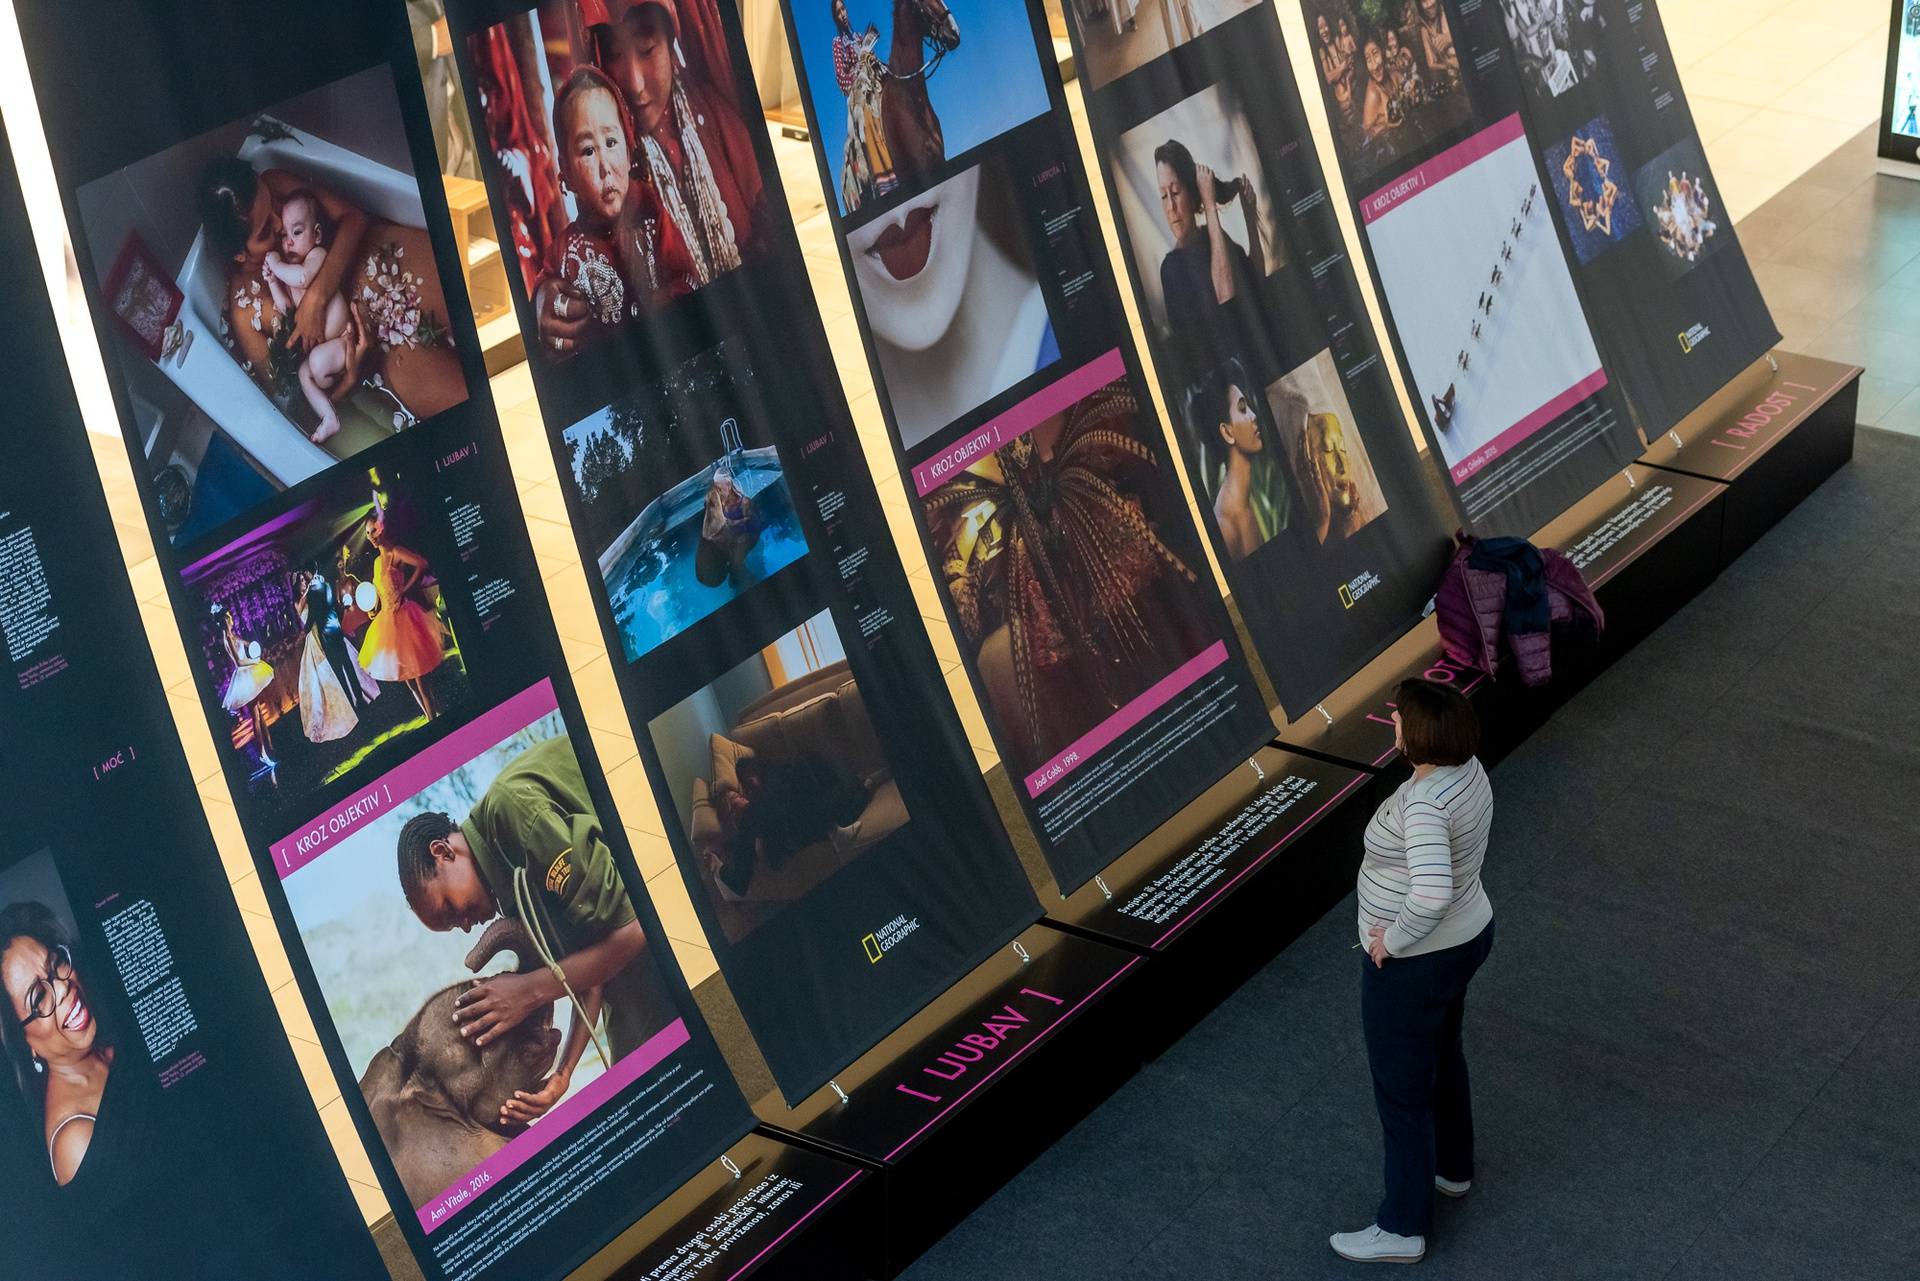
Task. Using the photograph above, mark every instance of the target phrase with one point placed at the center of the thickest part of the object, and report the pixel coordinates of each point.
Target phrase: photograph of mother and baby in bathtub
(275, 298)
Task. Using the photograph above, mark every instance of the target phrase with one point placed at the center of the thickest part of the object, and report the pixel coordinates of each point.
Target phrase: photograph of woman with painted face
(53, 1040)
(956, 310)
(1340, 493)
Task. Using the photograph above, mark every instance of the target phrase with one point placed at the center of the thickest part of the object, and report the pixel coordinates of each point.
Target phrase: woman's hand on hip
(1377, 945)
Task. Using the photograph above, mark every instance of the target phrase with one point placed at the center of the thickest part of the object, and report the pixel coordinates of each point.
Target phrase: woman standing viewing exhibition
(1426, 925)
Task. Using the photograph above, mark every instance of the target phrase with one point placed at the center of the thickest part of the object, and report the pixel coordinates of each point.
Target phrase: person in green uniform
(536, 825)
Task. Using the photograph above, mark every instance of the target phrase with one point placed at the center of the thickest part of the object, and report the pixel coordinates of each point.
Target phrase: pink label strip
(1091, 743)
(1533, 422)
(1018, 421)
(303, 846)
(1443, 166)
(441, 1210)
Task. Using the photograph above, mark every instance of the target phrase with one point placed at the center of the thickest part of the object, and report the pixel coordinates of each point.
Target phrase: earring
(38, 1064)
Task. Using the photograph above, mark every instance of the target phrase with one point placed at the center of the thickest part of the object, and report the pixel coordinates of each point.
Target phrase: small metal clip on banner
(731, 1168)
(1253, 763)
(835, 1087)
(1103, 887)
(1322, 709)
(1020, 950)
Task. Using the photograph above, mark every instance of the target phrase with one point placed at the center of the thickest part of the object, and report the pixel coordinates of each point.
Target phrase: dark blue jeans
(1411, 1009)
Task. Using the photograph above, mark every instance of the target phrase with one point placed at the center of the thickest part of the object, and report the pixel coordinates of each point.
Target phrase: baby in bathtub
(287, 273)
(596, 163)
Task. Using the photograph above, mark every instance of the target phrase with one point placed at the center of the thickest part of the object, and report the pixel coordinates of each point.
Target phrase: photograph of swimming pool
(685, 495)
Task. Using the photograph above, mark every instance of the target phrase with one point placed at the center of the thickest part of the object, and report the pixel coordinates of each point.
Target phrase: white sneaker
(1447, 1187)
(1373, 1245)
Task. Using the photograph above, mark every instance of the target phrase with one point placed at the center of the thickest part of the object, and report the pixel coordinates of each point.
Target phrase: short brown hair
(1437, 723)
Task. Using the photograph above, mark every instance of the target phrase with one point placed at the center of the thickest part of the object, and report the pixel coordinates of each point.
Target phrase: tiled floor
(1775, 88)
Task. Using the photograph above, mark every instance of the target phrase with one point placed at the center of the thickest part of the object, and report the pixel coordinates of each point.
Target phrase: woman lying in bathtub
(386, 270)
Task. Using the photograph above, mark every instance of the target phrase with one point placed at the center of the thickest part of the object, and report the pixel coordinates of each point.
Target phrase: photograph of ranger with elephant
(468, 1064)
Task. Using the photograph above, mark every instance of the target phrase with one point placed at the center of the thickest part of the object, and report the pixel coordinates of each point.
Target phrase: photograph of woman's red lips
(904, 247)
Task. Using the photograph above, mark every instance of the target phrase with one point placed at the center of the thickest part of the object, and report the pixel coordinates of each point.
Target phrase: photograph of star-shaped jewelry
(1590, 191)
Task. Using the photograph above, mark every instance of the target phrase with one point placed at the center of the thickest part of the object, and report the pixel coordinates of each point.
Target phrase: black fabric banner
(153, 1121)
(826, 811)
(1452, 203)
(1677, 309)
(1899, 139)
(1104, 660)
(255, 211)
(1330, 529)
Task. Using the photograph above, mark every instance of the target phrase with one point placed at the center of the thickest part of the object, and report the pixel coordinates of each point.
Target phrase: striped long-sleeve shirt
(1420, 878)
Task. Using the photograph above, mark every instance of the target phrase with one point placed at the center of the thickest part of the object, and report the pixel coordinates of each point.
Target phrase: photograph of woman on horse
(897, 102)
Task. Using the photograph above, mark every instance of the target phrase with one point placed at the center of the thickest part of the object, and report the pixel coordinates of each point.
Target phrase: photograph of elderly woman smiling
(277, 301)
(49, 1031)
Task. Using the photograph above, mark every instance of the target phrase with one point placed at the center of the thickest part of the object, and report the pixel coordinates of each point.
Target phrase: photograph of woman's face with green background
(1243, 462)
(51, 1032)
(308, 319)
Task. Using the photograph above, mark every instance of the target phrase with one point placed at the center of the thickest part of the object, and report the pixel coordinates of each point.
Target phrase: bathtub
(211, 376)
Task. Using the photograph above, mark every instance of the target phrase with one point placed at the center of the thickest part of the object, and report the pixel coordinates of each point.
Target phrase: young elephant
(436, 1097)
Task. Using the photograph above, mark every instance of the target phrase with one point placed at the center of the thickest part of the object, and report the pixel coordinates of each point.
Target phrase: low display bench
(1772, 435)
(772, 1210)
(1215, 892)
(1354, 724)
(961, 1097)
(766, 1209)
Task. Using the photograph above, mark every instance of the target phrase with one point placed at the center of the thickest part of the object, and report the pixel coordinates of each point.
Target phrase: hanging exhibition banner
(1310, 484)
(1105, 662)
(825, 808)
(292, 354)
(151, 1092)
(1658, 261)
(1478, 290)
(1899, 148)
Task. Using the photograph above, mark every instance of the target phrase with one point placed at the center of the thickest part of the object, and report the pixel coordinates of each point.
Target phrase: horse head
(931, 20)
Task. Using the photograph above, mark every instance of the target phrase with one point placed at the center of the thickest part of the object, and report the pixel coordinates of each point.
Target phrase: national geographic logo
(1693, 337)
(1352, 590)
(888, 937)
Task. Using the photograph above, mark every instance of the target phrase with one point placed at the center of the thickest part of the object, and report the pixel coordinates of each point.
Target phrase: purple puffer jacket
(1471, 606)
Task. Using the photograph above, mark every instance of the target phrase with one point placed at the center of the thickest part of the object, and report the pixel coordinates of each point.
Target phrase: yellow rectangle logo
(1346, 596)
(872, 947)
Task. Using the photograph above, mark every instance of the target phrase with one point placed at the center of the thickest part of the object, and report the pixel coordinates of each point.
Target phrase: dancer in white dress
(327, 708)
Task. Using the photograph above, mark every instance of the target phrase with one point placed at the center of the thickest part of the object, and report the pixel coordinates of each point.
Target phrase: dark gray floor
(1697, 1044)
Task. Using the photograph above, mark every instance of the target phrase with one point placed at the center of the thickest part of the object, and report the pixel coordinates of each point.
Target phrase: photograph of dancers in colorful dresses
(325, 636)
